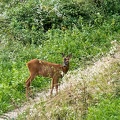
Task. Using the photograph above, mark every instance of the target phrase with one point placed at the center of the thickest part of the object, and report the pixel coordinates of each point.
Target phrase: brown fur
(47, 69)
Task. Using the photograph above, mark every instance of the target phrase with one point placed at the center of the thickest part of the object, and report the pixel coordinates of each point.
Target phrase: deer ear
(63, 55)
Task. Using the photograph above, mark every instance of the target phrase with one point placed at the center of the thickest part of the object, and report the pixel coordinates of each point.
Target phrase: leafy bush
(29, 21)
(110, 7)
(72, 12)
(107, 109)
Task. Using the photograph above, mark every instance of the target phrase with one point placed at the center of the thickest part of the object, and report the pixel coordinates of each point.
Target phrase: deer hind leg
(28, 82)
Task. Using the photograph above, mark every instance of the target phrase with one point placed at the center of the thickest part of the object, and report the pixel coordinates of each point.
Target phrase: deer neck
(65, 68)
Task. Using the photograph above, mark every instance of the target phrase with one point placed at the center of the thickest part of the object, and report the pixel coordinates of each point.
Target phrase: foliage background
(43, 29)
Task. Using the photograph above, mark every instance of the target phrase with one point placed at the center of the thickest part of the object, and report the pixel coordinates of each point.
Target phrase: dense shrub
(109, 7)
(30, 20)
(73, 12)
(107, 109)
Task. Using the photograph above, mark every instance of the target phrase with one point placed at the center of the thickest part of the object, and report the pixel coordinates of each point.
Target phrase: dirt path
(96, 68)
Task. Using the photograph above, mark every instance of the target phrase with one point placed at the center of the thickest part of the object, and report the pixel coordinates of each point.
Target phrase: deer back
(48, 69)
(43, 68)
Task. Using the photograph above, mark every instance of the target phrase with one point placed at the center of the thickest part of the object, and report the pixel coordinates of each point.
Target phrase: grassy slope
(92, 94)
(84, 44)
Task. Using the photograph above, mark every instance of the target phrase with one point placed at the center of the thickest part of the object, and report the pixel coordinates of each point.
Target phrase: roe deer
(46, 69)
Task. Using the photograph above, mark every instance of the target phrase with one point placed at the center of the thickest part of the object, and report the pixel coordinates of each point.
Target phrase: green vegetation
(43, 29)
(93, 98)
(107, 109)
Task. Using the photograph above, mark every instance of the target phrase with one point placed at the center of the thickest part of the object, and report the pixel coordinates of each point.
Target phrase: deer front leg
(56, 80)
(52, 87)
(56, 87)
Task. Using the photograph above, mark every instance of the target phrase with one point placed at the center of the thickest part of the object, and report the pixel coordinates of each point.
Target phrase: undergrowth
(84, 46)
(92, 98)
(45, 29)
